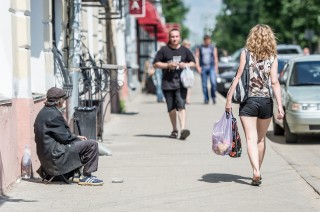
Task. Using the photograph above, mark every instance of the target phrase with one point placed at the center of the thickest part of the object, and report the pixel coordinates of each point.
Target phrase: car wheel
(277, 130)
(290, 137)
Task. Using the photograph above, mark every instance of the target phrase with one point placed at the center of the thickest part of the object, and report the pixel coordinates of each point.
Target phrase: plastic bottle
(26, 163)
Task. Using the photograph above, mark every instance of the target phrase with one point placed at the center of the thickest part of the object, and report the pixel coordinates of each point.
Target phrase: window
(6, 85)
(37, 59)
(288, 51)
(305, 73)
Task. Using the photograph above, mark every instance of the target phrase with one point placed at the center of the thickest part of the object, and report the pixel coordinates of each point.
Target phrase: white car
(300, 88)
(289, 49)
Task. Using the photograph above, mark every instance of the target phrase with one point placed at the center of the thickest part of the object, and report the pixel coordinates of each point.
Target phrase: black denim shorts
(175, 99)
(260, 107)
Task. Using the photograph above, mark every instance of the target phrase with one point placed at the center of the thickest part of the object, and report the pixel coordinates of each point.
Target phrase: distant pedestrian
(156, 75)
(208, 61)
(257, 111)
(172, 58)
(60, 151)
(187, 44)
(306, 51)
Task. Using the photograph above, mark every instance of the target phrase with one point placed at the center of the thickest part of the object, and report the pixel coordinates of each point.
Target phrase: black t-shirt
(171, 78)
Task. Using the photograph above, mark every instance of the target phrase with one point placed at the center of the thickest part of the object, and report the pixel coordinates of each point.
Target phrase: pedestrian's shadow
(5, 199)
(218, 178)
(152, 135)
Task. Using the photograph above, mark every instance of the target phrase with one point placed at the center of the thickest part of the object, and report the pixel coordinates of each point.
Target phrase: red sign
(137, 8)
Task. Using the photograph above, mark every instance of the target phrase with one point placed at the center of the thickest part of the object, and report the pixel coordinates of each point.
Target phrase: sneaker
(91, 181)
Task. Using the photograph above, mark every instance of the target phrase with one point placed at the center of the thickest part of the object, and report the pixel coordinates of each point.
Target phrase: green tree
(175, 11)
(300, 16)
(288, 18)
(234, 23)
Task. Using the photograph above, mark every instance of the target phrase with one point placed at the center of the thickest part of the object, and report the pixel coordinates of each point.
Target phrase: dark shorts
(175, 99)
(260, 107)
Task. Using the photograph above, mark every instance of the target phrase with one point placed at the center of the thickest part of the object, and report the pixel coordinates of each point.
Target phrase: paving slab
(162, 174)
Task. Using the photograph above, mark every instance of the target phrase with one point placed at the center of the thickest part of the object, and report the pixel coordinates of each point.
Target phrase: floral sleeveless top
(260, 82)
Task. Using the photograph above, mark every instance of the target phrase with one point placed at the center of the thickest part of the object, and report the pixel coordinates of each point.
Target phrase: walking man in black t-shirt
(172, 59)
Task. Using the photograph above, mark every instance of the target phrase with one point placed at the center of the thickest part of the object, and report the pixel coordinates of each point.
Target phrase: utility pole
(74, 53)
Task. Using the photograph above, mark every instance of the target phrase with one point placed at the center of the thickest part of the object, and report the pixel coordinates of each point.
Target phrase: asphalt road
(303, 156)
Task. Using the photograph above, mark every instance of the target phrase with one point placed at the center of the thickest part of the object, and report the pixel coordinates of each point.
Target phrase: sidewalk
(162, 174)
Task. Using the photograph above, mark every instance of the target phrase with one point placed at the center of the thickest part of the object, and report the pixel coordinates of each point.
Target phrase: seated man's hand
(82, 138)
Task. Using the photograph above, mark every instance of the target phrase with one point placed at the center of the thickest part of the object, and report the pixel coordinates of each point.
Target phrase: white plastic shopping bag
(187, 77)
(222, 135)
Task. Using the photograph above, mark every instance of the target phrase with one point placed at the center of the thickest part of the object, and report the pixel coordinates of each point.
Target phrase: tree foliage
(175, 11)
(288, 18)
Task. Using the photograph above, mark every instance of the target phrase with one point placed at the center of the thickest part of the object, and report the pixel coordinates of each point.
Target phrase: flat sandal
(174, 134)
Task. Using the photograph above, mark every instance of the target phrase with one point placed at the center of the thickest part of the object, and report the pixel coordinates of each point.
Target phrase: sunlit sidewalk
(162, 174)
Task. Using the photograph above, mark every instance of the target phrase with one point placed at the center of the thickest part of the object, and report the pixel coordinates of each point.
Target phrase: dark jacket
(54, 142)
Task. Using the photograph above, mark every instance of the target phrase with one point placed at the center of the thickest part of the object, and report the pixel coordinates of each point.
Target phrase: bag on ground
(236, 140)
(222, 135)
(187, 77)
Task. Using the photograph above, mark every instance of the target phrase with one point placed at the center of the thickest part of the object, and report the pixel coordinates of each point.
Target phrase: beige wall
(18, 114)
(15, 116)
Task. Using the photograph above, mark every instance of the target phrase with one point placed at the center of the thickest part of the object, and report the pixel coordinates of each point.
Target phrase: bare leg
(250, 129)
(173, 119)
(188, 101)
(262, 127)
(182, 118)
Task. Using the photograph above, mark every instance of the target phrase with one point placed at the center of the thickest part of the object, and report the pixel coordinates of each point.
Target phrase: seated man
(59, 150)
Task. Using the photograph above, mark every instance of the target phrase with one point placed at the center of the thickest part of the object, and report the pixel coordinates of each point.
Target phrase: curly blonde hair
(261, 42)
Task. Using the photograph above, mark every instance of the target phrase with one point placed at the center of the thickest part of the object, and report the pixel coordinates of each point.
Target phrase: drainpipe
(74, 54)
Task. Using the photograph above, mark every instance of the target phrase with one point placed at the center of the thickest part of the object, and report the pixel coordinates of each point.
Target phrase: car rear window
(288, 51)
(305, 73)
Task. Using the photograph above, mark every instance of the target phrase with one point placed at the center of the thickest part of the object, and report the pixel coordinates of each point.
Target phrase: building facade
(81, 46)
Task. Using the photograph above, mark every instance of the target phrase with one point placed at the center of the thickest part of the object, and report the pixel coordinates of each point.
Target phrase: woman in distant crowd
(187, 44)
(257, 111)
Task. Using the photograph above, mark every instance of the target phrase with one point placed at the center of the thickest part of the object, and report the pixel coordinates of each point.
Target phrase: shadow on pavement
(152, 102)
(151, 135)
(302, 139)
(55, 181)
(200, 103)
(218, 178)
(4, 199)
(275, 138)
(129, 113)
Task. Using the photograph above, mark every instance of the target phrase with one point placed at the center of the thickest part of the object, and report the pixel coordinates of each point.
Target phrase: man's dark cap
(54, 94)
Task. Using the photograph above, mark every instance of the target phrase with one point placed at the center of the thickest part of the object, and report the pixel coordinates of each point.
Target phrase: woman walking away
(256, 112)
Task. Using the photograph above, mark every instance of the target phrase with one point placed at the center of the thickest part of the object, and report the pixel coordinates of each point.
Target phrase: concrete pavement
(162, 174)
